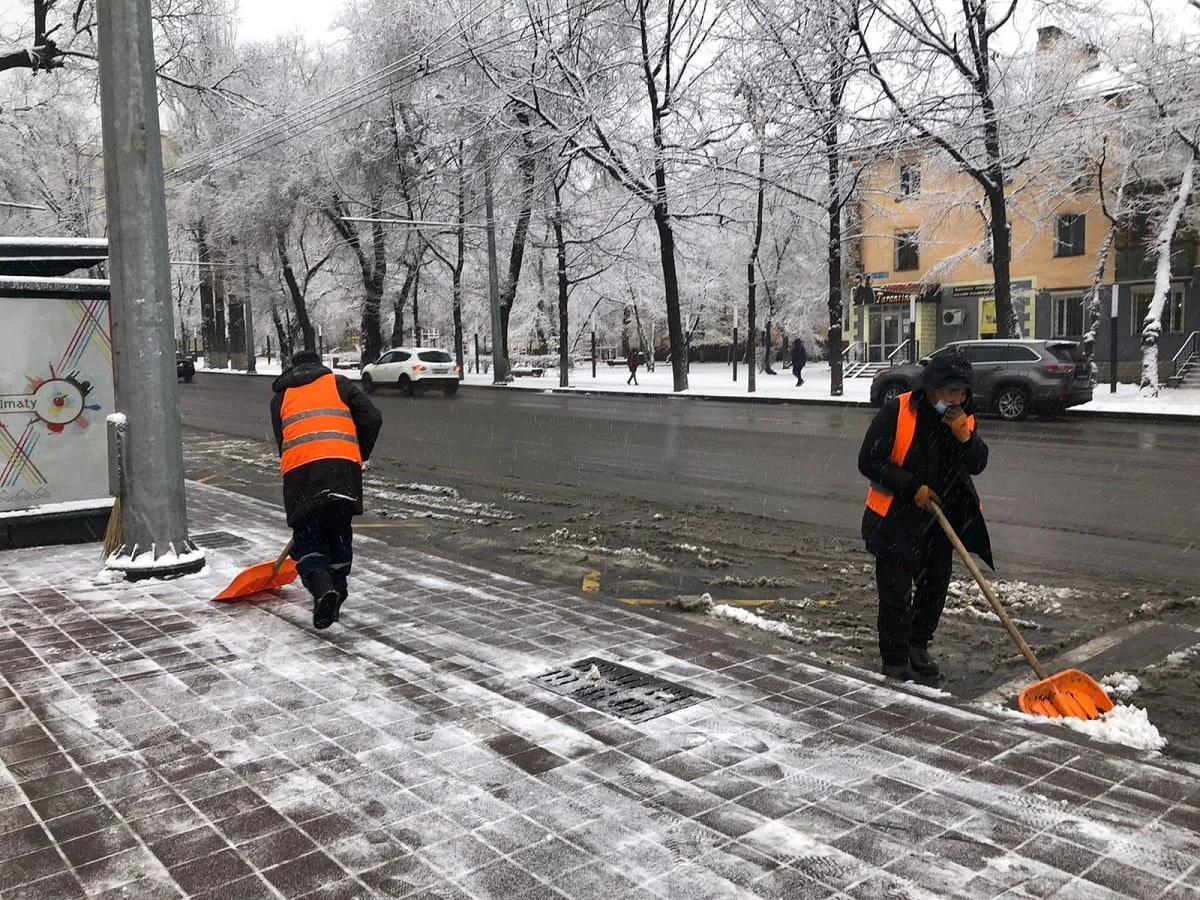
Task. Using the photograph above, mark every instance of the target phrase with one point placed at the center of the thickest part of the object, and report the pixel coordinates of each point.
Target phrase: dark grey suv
(1012, 378)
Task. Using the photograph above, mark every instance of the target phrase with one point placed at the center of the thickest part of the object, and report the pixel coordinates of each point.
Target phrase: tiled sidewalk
(156, 745)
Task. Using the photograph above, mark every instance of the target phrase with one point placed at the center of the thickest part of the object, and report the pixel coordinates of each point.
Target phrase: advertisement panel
(56, 390)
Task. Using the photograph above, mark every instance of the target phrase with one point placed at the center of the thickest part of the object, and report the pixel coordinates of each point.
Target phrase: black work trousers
(324, 549)
(911, 603)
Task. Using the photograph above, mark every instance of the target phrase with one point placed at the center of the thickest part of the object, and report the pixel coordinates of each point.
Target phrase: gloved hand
(366, 464)
(958, 423)
(924, 495)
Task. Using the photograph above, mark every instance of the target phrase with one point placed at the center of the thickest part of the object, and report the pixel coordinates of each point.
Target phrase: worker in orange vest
(325, 428)
(921, 447)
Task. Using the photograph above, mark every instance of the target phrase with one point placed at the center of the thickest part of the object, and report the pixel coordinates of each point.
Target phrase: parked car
(185, 367)
(1013, 378)
(413, 369)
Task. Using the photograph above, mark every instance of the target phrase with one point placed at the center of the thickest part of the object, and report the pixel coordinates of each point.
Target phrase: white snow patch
(1122, 683)
(98, 504)
(1182, 657)
(771, 626)
(147, 559)
(1128, 725)
(745, 617)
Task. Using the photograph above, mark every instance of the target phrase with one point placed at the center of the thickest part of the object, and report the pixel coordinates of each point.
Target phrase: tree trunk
(1152, 326)
(834, 262)
(406, 288)
(299, 304)
(666, 243)
(1007, 323)
(560, 250)
(751, 280)
(418, 337)
(208, 317)
(662, 212)
(1092, 298)
(281, 335)
(459, 259)
(516, 255)
(373, 282)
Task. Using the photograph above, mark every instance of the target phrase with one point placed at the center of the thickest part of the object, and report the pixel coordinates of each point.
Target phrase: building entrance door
(887, 327)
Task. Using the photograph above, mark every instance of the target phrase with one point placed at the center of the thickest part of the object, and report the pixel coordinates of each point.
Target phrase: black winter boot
(924, 664)
(900, 672)
(325, 597)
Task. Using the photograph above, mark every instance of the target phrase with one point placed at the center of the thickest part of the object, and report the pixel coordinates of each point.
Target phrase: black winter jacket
(936, 458)
(325, 482)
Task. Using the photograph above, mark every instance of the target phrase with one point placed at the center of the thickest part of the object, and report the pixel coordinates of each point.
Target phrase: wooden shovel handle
(282, 556)
(987, 592)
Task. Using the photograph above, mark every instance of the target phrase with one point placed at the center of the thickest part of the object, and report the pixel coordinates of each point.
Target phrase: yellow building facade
(920, 266)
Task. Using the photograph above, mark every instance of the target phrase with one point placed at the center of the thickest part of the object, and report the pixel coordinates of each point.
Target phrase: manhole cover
(618, 690)
(219, 540)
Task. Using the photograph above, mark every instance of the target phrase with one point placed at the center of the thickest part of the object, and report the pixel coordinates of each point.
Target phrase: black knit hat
(945, 370)
(303, 357)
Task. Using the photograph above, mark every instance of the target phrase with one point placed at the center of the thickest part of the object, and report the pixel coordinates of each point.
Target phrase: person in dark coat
(325, 428)
(634, 360)
(799, 358)
(921, 447)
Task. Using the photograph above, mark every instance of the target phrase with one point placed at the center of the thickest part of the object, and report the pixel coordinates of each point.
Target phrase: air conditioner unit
(953, 316)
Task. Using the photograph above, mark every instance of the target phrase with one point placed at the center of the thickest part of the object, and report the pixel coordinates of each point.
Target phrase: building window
(908, 257)
(1068, 235)
(1067, 317)
(910, 179)
(1172, 313)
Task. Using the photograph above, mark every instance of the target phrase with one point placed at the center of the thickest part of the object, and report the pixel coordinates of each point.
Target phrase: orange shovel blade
(1070, 693)
(259, 578)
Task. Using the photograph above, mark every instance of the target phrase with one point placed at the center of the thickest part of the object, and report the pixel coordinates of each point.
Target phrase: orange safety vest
(879, 498)
(317, 425)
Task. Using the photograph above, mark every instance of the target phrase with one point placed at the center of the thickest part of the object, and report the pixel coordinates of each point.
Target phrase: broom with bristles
(116, 481)
(112, 534)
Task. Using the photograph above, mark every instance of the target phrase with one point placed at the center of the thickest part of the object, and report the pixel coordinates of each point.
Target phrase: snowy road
(1090, 499)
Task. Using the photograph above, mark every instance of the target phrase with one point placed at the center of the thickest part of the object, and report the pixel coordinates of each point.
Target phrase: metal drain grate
(618, 690)
(219, 540)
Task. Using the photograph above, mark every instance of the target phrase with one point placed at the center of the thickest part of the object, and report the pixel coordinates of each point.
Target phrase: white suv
(412, 369)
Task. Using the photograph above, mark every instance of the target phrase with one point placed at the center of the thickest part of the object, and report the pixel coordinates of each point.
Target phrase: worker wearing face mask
(921, 448)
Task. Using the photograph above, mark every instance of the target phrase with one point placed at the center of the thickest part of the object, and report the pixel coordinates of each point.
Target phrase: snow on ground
(1124, 724)
(965, 598)
(1128, 725)
(716, 380)
(1122, 684)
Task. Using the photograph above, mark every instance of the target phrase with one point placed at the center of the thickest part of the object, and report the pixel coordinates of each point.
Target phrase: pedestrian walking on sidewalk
(634, 360)
(921, 447)
(325, 428)
(799, 358)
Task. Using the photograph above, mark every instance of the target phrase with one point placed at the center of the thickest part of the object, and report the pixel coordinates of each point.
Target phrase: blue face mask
(942, 407)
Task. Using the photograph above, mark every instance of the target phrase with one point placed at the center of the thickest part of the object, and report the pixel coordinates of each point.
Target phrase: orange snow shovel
(261, 577)
(1070, 693)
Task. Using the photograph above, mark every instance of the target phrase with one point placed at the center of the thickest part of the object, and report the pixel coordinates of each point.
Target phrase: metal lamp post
(154, 535)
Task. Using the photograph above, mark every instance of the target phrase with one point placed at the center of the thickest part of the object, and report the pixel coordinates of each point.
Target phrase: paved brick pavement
(154, 744)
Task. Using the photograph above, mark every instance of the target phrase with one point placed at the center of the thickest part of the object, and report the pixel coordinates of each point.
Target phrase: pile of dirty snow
(1120, 684)
(965, 598)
